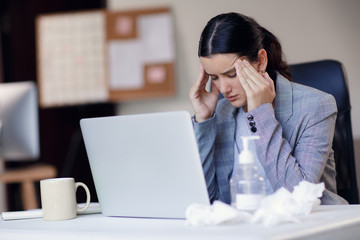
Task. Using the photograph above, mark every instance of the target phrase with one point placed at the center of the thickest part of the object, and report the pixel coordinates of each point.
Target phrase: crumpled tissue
(217, 213)
(281, 206)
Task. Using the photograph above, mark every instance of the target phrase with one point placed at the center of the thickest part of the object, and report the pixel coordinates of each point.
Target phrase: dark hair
(237, 33)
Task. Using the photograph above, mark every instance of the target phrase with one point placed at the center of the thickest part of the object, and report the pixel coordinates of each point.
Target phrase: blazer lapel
(227, 126)
(283, 100)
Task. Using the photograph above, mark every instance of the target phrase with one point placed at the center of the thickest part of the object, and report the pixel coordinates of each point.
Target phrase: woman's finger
(249, 77)
(242, 78)
(200, 83)
(214, 89)
(268, 78)
(253, 74)
(203, 77)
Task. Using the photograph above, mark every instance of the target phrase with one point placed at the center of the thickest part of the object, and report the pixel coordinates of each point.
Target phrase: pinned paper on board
(156, 74)
(124, 26)
(148, 72)
(100, 56)
(125, 65)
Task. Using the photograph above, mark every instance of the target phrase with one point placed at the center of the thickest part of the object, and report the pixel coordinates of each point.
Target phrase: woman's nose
(224, 87)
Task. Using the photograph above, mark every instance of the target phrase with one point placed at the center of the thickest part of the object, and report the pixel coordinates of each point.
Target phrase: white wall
(308, 29)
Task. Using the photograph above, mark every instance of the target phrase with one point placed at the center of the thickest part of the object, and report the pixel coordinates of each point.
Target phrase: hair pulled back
(237, 33)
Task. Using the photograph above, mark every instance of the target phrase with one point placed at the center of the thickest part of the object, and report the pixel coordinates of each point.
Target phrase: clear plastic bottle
(247, 187)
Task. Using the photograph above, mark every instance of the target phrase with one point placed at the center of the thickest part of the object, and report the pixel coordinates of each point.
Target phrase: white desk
(325, 222)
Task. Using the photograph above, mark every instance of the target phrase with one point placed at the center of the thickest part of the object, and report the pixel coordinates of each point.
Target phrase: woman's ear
(262, 60)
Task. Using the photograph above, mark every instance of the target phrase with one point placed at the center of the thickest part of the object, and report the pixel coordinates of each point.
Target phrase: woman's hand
(203, 102)
(259, 89)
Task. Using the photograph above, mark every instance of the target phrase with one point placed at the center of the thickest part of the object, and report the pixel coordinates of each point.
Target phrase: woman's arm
(205, 133)
(287, 165)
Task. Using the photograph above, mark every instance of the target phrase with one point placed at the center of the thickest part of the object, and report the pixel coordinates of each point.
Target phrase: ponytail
(275, 56)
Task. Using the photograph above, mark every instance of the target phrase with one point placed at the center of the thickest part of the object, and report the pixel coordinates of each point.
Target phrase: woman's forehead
(219, 63)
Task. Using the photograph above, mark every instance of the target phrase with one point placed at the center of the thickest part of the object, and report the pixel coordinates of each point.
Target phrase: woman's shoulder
(300, 92)
(311, 95)
(303, 99)
(309, 100)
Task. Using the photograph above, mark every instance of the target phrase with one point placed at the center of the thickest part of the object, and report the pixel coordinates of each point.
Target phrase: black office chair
(328, 76)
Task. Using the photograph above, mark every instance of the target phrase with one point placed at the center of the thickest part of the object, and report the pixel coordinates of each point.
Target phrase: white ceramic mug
(58, 198)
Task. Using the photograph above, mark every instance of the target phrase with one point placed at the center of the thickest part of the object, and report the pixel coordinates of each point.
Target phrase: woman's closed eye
(229, 75)
(213, 77)
(232, 75)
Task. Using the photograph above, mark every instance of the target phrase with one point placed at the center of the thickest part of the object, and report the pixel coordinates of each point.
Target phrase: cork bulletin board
(101, 56)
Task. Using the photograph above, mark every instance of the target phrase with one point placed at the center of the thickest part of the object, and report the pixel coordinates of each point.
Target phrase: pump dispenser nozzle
(246, 156)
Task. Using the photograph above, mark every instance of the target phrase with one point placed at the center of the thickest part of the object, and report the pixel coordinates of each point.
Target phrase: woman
(295, 123)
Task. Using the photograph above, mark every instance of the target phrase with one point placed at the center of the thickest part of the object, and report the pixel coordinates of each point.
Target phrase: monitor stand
(3, 198)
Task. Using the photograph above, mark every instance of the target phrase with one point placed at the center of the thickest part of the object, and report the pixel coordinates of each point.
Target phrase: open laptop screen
(145, 165)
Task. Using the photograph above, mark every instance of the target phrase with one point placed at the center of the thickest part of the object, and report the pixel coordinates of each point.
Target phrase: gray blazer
(295, 141)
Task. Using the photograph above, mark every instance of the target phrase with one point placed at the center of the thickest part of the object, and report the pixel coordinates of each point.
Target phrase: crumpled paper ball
(276, 208)
(308, 196)
(281, 206)
(217, 213)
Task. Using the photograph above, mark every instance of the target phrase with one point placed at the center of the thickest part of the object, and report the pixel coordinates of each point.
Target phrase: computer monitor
(19, 125)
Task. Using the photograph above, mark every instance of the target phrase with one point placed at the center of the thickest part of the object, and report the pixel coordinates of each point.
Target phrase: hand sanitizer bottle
(247, 187)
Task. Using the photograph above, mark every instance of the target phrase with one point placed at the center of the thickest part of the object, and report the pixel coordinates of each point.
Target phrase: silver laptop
(145, 165)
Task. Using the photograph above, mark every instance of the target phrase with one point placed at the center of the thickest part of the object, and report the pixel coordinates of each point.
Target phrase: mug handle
(80, 184)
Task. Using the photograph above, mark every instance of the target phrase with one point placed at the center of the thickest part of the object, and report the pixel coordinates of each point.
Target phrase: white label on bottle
(248, 202)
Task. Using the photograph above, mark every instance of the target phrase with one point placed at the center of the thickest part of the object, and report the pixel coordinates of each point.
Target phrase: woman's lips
(231, 98)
